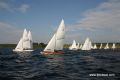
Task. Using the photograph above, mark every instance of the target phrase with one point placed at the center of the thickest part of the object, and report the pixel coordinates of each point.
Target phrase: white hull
(73, 49)
(22, 50)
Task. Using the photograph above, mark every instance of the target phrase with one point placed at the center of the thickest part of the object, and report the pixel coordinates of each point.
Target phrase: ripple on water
(73, 65)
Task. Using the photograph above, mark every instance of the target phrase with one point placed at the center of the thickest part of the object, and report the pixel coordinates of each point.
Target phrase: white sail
(113, 46)
(60, 36)
(73, 46)
(26, 44)
(19, 45)
(87, 45)
(51, 45)
(95, 47)
(106, 47)
(100, 46)
(57, 41)
(90, 44)
(30, 40)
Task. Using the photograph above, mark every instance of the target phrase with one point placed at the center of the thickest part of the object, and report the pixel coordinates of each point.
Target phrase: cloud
(8, 33)
(104, 19)
(23, 8)
(106, 15)
(5, 6)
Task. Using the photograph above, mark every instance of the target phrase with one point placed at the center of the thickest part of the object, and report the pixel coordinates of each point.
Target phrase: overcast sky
(97, 19)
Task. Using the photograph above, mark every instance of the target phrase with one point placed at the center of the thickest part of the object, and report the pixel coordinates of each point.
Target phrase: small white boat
(106, 47)
(113, 46)
(94, 47)
(73, 46)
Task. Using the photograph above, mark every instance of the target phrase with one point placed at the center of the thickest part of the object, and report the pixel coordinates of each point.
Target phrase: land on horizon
(43, 45)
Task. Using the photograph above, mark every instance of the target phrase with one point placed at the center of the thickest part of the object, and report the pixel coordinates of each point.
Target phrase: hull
(47, 52)
(22, 50)
(74, 49)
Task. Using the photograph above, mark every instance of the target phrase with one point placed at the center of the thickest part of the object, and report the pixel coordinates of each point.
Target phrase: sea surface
(72, 65)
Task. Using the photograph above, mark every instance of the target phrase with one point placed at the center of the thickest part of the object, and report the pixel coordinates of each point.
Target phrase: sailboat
(94, 47)
(113, 46)
(106, 47)
(100, 46)
(73, 46)
(25, 43)
(55, 45)
(87, 45)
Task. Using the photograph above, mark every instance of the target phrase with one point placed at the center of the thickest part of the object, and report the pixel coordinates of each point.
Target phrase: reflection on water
(54, 66)
(73, 65)
(88, 58)
(24, 54)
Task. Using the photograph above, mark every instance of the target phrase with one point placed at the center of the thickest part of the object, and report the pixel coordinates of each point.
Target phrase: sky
(97, 19)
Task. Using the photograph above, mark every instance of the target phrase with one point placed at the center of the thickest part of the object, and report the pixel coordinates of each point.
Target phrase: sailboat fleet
(55, 45)
(88, 45)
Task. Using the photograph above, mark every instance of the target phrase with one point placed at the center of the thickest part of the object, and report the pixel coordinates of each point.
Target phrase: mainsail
(26, 44)
(30, 40)
(57, 41)
(60, 36)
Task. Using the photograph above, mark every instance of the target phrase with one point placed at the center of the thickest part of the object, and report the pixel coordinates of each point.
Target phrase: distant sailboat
(113, 46)
(55, 45)
(87, 45)
(106, 47)
(73, 46)
(94, 47)
(25, 43)
(100, 46)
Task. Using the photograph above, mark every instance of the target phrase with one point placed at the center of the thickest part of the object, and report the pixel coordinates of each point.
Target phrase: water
(73, 65)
